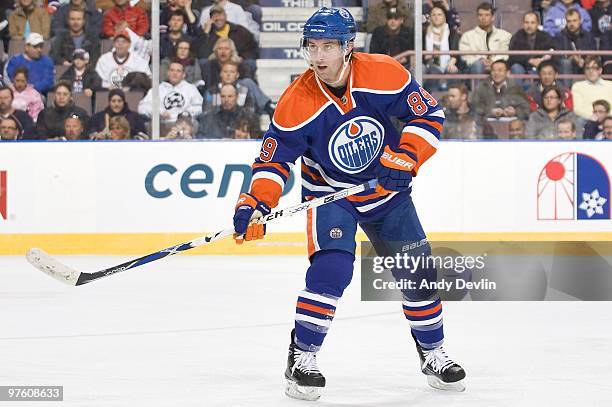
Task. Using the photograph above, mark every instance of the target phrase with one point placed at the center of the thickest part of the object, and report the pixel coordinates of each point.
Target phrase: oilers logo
(355, 144)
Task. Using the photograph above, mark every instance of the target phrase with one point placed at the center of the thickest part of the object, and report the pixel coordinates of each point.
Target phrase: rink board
(133, 197)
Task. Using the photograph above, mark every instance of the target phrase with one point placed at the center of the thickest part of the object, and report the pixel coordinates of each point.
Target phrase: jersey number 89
(268, 147)
(416, 103)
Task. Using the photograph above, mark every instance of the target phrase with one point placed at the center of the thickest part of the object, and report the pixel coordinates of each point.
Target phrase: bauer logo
(3, 213)
(355, 144)
(573, 186)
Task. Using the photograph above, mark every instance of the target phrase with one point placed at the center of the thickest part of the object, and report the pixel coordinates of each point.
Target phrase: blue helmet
(331, 23)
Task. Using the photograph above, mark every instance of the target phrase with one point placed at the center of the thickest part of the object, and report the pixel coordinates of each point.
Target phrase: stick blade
(51, 267)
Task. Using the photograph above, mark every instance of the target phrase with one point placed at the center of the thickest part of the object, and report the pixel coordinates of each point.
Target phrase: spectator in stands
(556, 16)
(23, 119)
(500, 97)
(542, 123)
(593, 88)
(485, 37)
(566, 130)
(117, 106)
(176, 96)
(462, 121)
(50, 123)
(253, 8)
(541, 7)
(607, 128)
(73, 127)
(593, 129)
(118, 129)
(183, 55)
(29, 18)
(93, 18)
(439, 36)
(122, 17)
(573, 38)
(81, 74)
(181, 6)
(64, 43)
(547, 76)
(606, 45)
(451, 14)
(40, 67)
(223, 51)
(392, 38)
(231, 120)
(114, 66)
(516, 129)
(250, 96)
(235, 14)
(10, 129)
(601, 16)
(25, 97)
(218, 27)
(529, 38)
(182, 130)
(173, 35)
(378, 14)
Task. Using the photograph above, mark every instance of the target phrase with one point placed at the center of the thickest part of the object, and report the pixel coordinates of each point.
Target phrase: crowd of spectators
(80, 69)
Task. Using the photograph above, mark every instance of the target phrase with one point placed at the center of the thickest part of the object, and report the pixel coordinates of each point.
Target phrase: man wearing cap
(28, 18)
(393, 37)
(114, 66)
(40, 67)
(66, 42)
(218, 27)
(124, 16)
(235, 14)
(82, 75)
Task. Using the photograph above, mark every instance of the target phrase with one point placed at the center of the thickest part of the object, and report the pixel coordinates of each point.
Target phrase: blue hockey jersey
(341, 139)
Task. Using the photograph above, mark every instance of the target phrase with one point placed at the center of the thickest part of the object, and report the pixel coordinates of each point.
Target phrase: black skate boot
(304, 380)
(441, 371)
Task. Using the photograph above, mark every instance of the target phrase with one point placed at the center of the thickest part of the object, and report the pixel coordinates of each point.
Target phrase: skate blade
(293, 390)
(440, 385)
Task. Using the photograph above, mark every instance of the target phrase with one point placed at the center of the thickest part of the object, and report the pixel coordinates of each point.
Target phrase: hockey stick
(52, 267)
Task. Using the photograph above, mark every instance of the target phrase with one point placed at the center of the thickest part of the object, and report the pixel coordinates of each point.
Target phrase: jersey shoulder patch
(378, 73)
(299, 103)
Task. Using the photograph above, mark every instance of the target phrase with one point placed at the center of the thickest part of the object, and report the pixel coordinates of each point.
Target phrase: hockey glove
(395, 171)
(247, 209)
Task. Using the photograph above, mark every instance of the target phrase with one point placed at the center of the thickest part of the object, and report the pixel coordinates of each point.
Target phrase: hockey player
(337, 117)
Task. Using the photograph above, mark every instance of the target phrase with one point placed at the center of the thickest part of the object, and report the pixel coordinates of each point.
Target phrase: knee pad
(330, 272)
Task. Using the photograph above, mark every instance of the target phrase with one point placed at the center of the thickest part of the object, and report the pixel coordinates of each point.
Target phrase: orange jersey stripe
(433, 124)
(418, 146)
(311, 247)
(311, 174)
(276, 166)
(314, 308)
(423, 313)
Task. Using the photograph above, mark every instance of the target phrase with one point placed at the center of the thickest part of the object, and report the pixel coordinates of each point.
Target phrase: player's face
(72, 128)
(564, 131)
(229, 73)
(547, 76)
(62, 97)
(326, 58)
(116, 103)
(530, 23)
(20, 82)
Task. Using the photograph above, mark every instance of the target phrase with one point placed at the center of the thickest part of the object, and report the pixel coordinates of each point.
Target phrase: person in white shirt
(115, 65)
(593, 88)
(235, 14)
(177, 97)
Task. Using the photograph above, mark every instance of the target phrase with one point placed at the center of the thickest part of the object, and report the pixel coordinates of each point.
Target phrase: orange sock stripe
(314, 308)
(424, 312)
(276, 166)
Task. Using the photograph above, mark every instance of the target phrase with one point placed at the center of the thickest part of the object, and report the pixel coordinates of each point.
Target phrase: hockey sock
(328, 275)
(425, 319)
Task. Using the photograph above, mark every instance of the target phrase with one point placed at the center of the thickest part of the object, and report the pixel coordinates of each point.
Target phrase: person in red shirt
(124, 16)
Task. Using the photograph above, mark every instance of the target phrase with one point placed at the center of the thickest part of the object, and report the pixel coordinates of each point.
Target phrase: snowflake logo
(592, 203)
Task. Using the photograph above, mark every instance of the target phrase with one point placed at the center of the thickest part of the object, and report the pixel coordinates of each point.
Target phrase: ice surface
(213, 331)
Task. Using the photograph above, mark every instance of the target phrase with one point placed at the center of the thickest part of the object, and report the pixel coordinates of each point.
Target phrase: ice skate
(304, 380)
(442, 372)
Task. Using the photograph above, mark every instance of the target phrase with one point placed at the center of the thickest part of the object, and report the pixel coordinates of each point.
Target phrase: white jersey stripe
(312, 187)
(438, 113)
(373, 205)
(425, 322)
(319, 298)
(268, 175)
(417, 303)
(315, 321)
(307, 161)
(424, 134)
